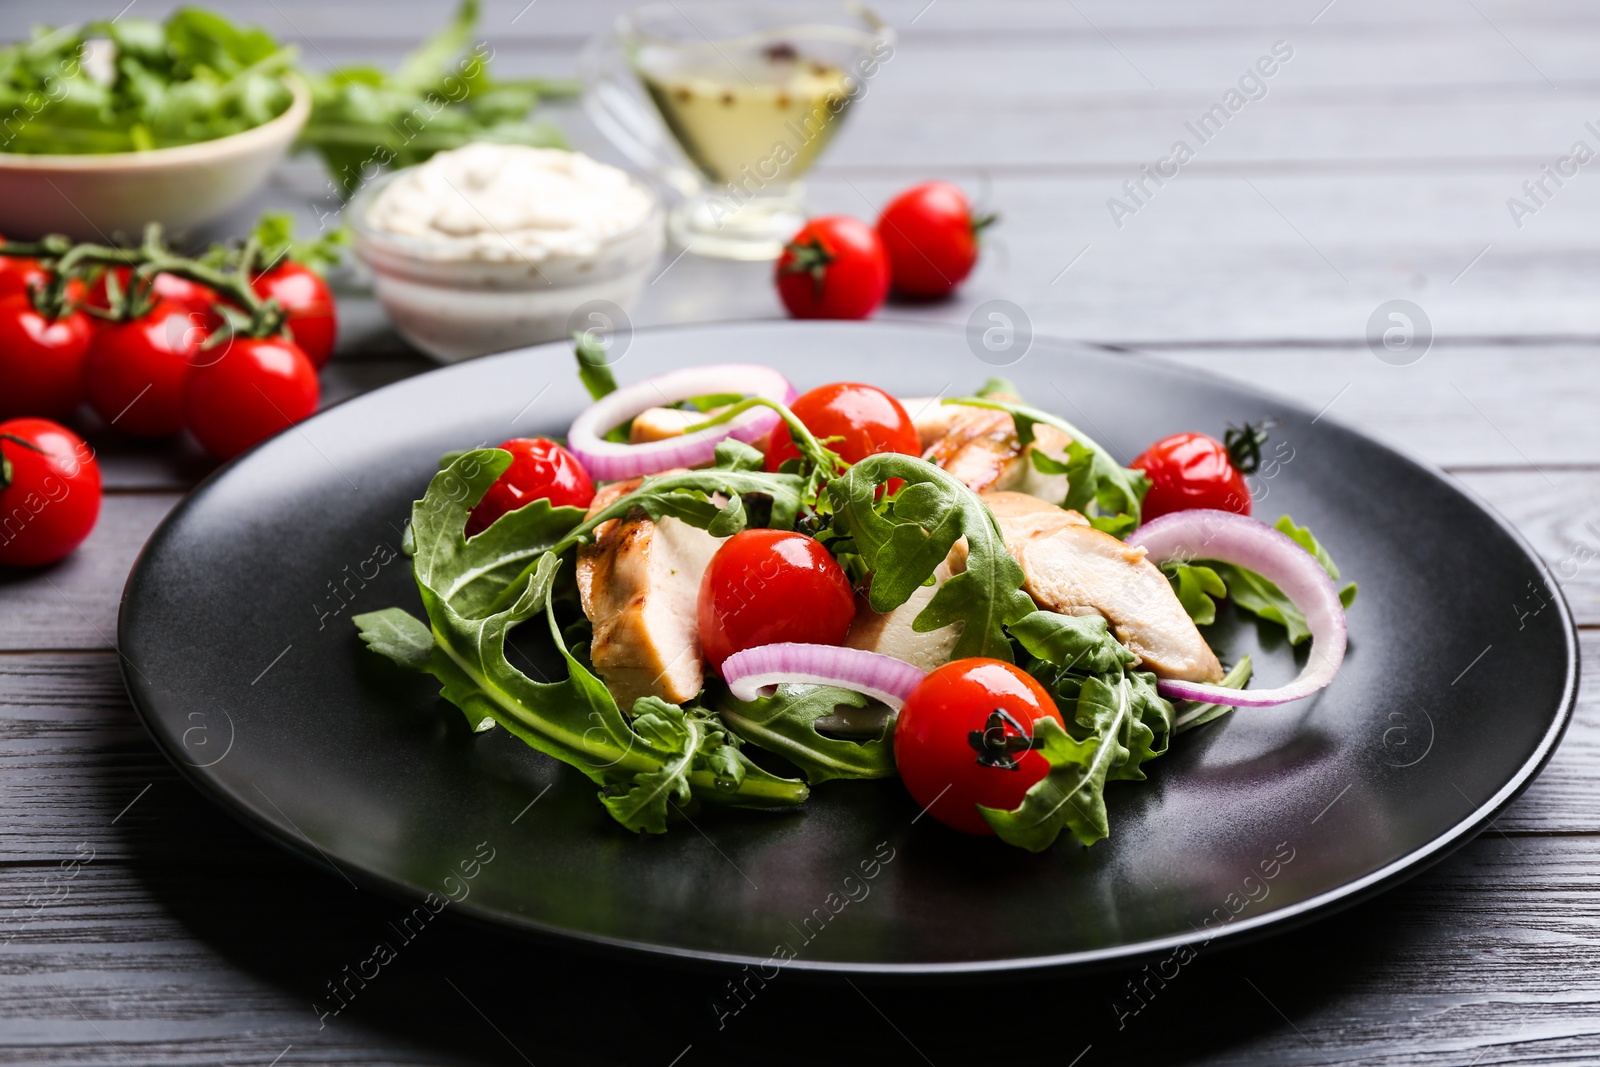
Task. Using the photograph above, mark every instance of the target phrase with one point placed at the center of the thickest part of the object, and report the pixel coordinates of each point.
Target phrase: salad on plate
(753, 591)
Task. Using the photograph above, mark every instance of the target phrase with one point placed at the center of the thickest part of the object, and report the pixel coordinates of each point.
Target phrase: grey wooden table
(1377, 163)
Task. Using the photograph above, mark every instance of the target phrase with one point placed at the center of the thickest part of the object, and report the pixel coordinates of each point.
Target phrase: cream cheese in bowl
(490, 247)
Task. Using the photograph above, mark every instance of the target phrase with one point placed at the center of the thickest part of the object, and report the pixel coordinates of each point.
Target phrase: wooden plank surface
(1377, 167)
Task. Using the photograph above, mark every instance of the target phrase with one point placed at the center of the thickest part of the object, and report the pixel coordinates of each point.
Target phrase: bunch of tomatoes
(227, 346)
(965, 735)
(924, 246)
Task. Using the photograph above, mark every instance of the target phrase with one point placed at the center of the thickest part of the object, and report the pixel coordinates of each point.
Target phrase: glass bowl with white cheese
(490, 247)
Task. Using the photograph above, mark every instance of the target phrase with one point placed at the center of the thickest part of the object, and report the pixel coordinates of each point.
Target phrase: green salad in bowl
(134, 85)
(109, 125)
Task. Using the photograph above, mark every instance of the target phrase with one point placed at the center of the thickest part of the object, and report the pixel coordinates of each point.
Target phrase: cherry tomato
(1191, 470)
(962, 739)
(136, 370)
(765, 586)
(41, 360)
(540, 468)
(306, 297)
(51, 499)
(931, 239)
(167, 287)
(869, 420)
(256, 388)
(834, 268)
(18, 275)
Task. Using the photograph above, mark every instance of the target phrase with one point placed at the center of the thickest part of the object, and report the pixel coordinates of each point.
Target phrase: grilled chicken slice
(658, 424)
(890, 633)
(979, 447)
(640, 584)
(1022, 515)
(931, 416)
(1072, 568)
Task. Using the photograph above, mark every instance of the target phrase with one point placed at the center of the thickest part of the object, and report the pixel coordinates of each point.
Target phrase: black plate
(241, 658)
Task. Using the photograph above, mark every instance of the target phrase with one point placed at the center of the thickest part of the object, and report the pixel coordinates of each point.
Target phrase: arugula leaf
(1189, 714)
(593, 372)
(1072, 642)
(1302, 536)
(904, 537)
(274, 233)
(1255, 594)
(1125, 722)
(785, 723)
(665, 756)
(1149, 727)
(440, 97)
(475, 575)
(141, 85)
(1196, 585)
(396, 633)
(1071, 795)
(817, 463)
(1094, 477)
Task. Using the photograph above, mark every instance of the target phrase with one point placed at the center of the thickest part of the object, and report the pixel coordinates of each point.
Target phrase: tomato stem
(1244, 445)
(809, 257)
(998, 748)
(64, 260)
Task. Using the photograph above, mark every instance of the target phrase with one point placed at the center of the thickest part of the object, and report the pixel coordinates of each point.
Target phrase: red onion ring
(611, 460)
(1203, 534)
(755, 672)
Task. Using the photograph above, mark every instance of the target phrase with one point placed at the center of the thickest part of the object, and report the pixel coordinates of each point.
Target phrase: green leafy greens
(1198, 583)
(656, 758)
(785, 723)
(132, 84)
(1117, 722)
(440, 97)
(662, 756)
(904, 537)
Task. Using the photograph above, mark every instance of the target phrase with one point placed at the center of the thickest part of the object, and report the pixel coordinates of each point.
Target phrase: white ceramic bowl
(95, 197)
(456, 309)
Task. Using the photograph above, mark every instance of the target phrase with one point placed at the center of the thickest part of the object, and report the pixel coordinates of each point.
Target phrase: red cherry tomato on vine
(1191, 470)
(540, 469)
(167, 287)
(257, 387)
(41, 360)
(931, 239)
(962, 739)
(136, 370)
(306, 297)
(18, 275)
(766, 586)
(834, 268)
(869, 420)
(49, 492)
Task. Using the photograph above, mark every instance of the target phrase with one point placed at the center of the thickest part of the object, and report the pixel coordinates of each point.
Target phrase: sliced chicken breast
(639, 582)
(1072, 568)
(890, 633)
(658, 424)
(979, 447)
(931, 416)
